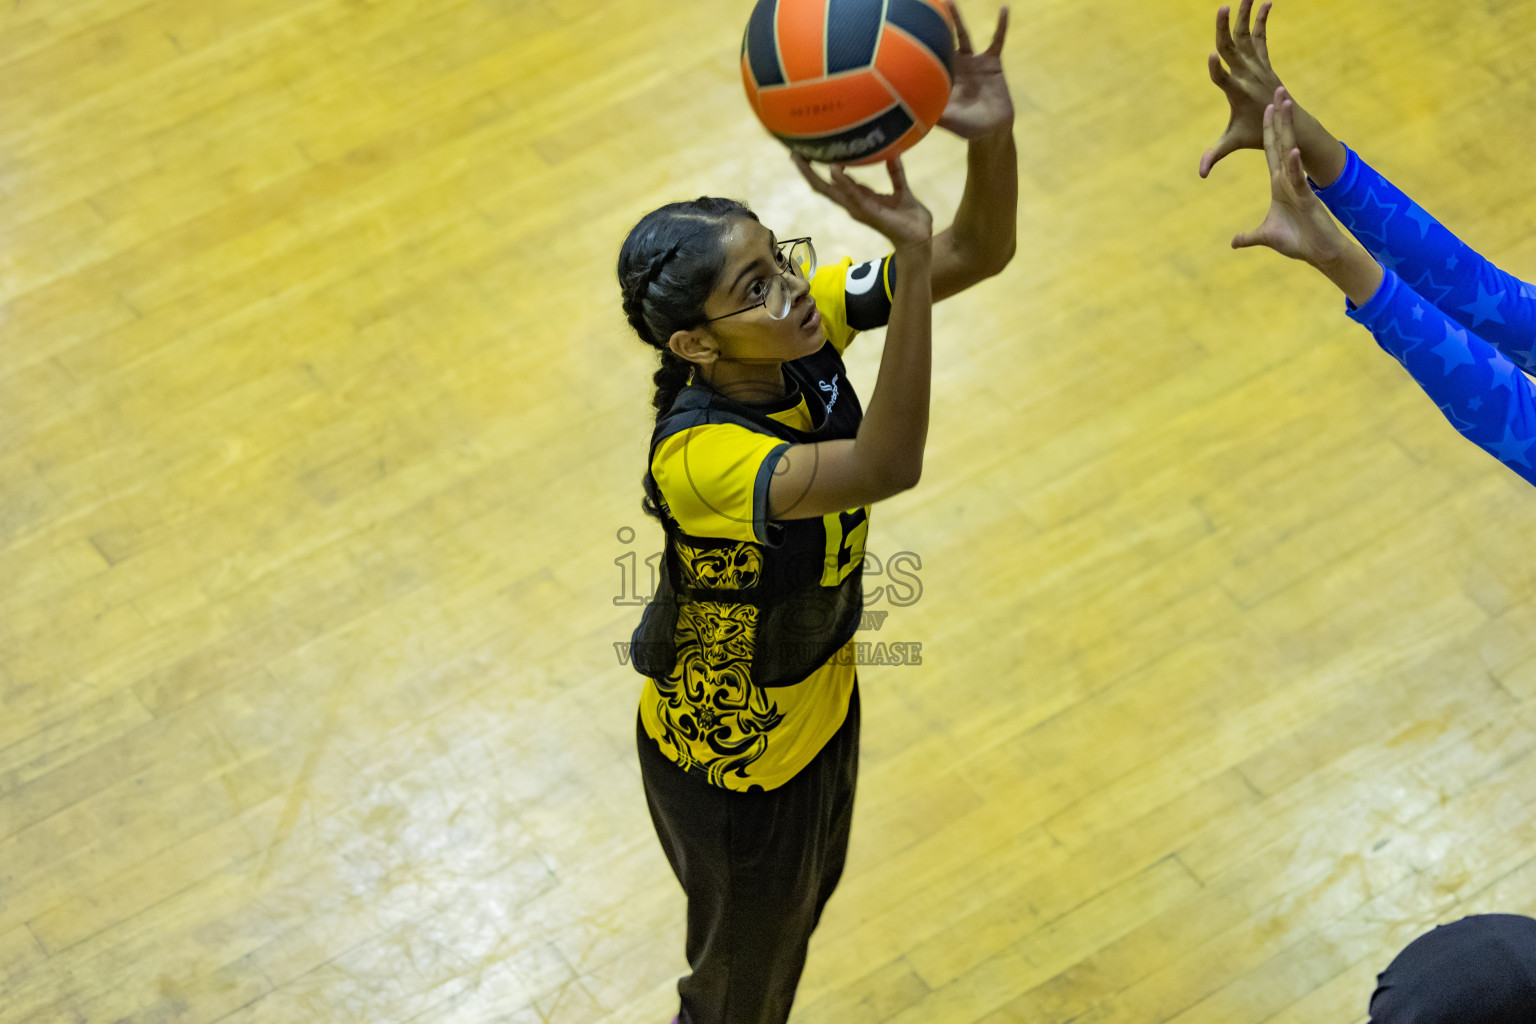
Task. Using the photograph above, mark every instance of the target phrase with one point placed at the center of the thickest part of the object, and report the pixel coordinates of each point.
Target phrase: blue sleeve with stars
(1433, 262)
(1482, 393)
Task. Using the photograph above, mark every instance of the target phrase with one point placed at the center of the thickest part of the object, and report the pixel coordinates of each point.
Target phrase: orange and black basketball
(848, 81)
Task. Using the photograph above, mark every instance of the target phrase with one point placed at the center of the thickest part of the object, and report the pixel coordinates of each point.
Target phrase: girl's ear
(695, 346)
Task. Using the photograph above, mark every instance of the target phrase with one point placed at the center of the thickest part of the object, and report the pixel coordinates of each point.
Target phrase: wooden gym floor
(321, 428)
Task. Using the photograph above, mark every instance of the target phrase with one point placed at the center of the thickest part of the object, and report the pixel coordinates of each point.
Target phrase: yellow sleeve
(835, 286)
(714, 479)
(827, 292)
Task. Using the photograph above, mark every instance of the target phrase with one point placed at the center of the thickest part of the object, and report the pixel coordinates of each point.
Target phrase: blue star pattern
(1481, 393)
(1422, 219)
(1505, 376)
(1438, 265)
(1396, 341)
(1454, 350)
(1511, 449)
(1449, 412)
(1485, 308)
(1368, 219)
(1432, 290)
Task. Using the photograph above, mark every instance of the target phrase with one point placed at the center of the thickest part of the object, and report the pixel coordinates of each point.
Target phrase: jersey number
(845, 544)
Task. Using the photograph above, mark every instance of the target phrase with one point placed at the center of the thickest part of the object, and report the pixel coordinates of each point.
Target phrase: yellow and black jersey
(748, 644)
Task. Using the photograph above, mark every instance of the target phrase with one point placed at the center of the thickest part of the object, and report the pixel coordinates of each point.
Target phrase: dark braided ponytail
(667, 268)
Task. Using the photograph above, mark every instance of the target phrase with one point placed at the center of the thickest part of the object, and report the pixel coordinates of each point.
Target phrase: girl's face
(751, 274)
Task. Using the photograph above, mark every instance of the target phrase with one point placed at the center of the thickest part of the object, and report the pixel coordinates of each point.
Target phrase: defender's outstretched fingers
(1272, 145)
(1298, 175)
(1260, 34)
(1240, 32)
(1295, 176)
(1285, 132)
(1218, 71)
(1224, 44)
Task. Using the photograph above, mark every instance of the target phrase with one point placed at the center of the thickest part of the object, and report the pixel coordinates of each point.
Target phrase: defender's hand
(1298, 224)
(1248, 80)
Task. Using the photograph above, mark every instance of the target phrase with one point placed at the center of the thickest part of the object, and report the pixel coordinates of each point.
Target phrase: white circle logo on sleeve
(862, 277)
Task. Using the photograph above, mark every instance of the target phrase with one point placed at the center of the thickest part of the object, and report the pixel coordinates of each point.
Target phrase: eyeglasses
(794, 255)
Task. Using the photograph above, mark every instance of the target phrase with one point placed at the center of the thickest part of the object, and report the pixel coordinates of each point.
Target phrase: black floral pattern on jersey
(709, 710)
(737, 567)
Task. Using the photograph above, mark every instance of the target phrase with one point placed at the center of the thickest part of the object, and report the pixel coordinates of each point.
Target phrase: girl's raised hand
(1298, 224)
(898, 215)
(979, 102)
(1248, 80)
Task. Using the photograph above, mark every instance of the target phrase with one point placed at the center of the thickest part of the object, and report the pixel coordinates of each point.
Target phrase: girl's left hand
(979, 103)
(898, 215)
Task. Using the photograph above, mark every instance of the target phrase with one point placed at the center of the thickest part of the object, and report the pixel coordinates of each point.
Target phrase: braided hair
(667, 268)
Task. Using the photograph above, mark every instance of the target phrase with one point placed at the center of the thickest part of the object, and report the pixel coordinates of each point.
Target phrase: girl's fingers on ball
(853, 185)
(847, 191)
(811, 177)
(841, 182)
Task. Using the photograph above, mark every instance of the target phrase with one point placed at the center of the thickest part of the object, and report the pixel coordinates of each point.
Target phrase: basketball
(848, 81)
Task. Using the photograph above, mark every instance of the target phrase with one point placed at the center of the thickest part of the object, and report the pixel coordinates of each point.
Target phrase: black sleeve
(867, 293)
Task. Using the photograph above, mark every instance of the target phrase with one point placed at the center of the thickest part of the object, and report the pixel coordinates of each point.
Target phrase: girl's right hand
(899, 216)
(1249, 84)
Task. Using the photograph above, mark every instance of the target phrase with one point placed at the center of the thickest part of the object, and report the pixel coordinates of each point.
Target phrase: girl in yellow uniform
(763, 467)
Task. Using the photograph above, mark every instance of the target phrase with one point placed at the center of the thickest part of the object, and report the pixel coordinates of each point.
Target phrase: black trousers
(758, 868)
(1479, 970)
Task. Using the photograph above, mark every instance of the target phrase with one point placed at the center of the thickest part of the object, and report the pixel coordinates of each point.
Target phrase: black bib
(801, 592)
